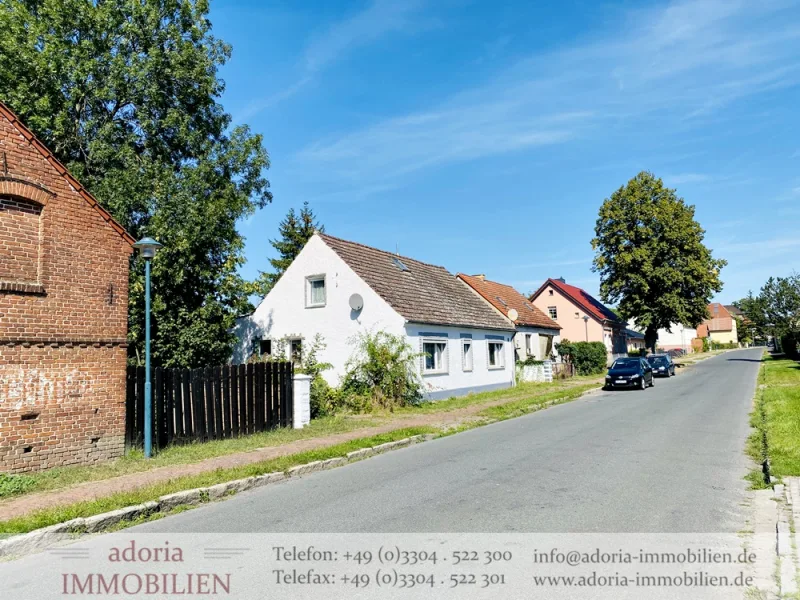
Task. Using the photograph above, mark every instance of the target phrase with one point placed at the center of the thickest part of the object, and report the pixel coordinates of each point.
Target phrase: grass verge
(776, 419)
(60, 514)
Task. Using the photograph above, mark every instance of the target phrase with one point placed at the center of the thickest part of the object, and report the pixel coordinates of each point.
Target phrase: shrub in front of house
(381, 372)
(588, 358)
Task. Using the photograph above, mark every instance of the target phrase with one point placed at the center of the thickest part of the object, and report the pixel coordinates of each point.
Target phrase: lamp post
(586, 326)
(147, 247)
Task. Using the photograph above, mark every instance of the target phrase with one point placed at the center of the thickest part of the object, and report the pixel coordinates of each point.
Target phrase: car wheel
(642, 384)
(652, 381)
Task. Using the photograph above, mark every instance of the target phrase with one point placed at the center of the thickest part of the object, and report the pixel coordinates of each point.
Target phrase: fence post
(302, 401)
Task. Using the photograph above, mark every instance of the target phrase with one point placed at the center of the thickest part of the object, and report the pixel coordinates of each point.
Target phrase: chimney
(482, 277)
(562, 280)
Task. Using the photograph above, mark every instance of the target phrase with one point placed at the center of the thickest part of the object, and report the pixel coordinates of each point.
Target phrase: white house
(677, 337)
(336, 289)
(535, 333)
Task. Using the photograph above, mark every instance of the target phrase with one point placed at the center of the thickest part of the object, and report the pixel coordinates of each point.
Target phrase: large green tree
(651, 258)
(125, 93)
(295, 230)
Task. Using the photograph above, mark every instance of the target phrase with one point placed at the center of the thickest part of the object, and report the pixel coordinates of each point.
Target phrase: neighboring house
(677, 337)
(536, 333)
(635, 340)
(721, 327)
(337, 289)
(63, 312)
(582, 318)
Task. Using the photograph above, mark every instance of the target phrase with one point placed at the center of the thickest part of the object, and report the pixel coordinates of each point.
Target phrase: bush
(589, 358)
(727, 346)
(382, 371)
(11, 485)
(789, 342)
(638, 353)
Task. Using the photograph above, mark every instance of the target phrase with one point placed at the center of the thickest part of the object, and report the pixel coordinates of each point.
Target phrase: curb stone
(358, 454)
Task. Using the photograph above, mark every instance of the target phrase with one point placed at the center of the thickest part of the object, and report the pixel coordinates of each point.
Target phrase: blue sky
(483, 136)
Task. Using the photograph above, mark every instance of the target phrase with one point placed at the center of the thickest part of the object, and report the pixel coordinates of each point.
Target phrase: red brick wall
(63, 319)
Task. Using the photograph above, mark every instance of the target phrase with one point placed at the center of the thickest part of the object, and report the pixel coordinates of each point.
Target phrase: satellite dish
(356, 302)
(513, 314)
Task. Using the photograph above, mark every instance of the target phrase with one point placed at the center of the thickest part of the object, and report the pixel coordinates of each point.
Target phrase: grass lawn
(523, 398)
(777, 414)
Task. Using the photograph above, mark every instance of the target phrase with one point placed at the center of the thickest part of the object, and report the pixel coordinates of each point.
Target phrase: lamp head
(147, 247)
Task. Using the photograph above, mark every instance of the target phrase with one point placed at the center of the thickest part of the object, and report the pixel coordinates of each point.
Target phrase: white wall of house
(454, 378)
(679, 336)
(284, 312)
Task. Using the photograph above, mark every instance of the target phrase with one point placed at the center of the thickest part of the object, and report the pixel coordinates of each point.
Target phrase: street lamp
(147, 248)
(586, 325)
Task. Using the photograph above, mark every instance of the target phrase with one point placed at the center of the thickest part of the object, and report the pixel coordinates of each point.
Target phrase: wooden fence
(210, 403)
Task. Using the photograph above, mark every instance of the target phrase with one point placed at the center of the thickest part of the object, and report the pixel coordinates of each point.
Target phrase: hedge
(589, 358)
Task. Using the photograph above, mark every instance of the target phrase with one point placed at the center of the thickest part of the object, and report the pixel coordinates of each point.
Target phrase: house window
(528, 344)
(496, 355)
(551, 292)
(435, 356)
(553, 312)
(296, 350)
(466, 355)
(265, 347)
(315, 294)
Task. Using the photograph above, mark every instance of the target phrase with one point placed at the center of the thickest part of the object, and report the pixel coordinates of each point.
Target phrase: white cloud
(378, 19)
(676, 64)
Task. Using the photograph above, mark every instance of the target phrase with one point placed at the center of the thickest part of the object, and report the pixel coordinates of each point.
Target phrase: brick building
(63, 312)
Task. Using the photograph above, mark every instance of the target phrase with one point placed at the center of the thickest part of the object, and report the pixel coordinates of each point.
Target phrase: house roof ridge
(63, 171)
(324, 235)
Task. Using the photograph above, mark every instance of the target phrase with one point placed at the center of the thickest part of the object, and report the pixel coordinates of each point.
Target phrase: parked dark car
(662, 365)
(629, 373)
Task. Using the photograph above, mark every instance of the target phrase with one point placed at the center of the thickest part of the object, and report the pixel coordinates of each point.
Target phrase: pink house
(582, 317)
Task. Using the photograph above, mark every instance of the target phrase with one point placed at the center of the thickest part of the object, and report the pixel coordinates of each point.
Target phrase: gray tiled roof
(421, 294)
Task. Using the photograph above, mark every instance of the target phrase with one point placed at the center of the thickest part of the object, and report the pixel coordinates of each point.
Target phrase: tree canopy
(294, 230)
(775, 311)
(651, 258)
(125, 93)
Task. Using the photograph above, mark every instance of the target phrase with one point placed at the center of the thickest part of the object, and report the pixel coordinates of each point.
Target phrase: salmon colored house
(581, 316)
(721, 327)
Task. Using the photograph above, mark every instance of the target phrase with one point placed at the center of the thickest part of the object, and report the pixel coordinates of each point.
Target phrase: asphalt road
(668, 459)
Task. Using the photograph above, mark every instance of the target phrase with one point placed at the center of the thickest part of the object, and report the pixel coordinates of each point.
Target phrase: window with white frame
(496, 355)
(466, 355)
(553, 312)
(434, 358)
(528, 344)
(315, 291)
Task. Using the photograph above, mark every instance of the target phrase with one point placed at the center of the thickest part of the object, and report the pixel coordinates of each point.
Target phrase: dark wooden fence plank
(216, 375)
(243, 398)
(198, 405)
(208, 376)
(226, 401)
(259, 396)
(276, 381)
(234, 394)
(188, 418)
(177, 399)
(270, 375)
(169, 404)
(251, 399)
